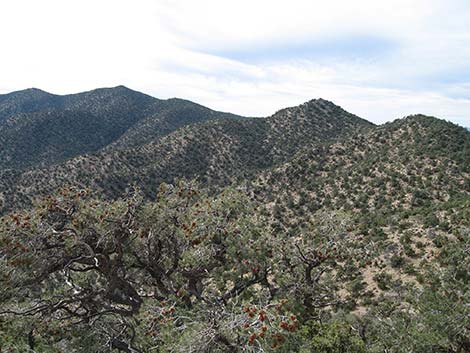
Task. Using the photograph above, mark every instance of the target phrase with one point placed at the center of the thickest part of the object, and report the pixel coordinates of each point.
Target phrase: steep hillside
(39, 129)
(409, 162)
(165, 118)
(317, 120)
(405, 185)
(217, 152)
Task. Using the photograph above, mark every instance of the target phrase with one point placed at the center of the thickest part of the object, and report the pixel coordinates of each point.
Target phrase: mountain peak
(318, 105)
(117, 89)
(322, 104)
(24, 101)
(316, 110)
(424, 121)
(29, 93)
(319, 101)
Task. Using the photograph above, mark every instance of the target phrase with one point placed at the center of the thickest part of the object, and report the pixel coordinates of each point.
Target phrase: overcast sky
(379, 59)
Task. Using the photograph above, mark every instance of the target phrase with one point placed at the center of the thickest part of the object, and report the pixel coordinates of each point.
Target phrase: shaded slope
(39, 129)
(165, 118)
(60, 127)
(24, 101)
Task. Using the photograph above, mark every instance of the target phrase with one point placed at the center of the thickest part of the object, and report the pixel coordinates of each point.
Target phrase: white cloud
(178, 48)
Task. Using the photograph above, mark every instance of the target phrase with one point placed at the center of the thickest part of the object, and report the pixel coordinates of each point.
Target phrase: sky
(379, 59)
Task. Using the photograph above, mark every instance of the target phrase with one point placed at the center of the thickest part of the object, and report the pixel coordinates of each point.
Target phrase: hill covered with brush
(218, 152)
(149, 224)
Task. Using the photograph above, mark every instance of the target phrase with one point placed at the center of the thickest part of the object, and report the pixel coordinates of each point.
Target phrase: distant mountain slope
(217, 152)
(25, 101)
(69, 125)
(39, 129)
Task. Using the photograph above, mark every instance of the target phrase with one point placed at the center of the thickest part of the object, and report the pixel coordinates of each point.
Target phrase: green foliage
(384, 280)
(142, 273)
(335, 337)
(397, 261)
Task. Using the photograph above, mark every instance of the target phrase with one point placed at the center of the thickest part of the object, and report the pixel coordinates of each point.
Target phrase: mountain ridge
(33, 123)
(309, 230)
(219, 151)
